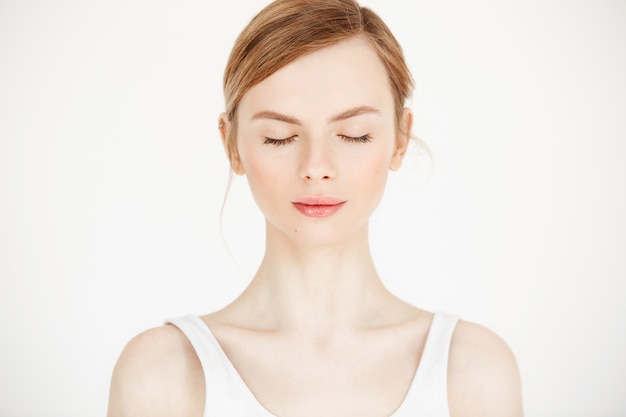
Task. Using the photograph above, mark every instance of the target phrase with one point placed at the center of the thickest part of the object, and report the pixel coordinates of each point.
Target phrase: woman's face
(316, 141)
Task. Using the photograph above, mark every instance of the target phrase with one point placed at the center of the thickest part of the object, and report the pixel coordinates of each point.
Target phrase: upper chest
(363, 374)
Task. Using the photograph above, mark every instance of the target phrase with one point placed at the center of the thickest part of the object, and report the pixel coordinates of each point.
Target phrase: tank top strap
(225, 395)
(428, 393)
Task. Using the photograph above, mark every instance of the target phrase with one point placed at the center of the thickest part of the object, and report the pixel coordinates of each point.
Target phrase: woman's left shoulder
(483, 376)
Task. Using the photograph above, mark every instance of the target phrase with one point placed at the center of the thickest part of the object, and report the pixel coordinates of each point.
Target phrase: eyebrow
(271, 115)
(356, 111)
(353, 112)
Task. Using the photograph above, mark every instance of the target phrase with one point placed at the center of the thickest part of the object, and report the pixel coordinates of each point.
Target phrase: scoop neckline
(245, 389)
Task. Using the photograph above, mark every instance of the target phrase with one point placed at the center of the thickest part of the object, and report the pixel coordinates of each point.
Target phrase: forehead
(324, 82)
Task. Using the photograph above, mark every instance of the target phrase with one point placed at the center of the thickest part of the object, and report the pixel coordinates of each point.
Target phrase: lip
(318, 206)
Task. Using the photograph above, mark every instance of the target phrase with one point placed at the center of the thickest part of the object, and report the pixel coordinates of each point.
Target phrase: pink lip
(318, 206)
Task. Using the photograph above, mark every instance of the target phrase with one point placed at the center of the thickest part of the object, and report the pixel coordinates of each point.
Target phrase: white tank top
(228, 396)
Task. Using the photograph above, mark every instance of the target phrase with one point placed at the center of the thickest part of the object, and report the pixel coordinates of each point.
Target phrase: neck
(317, 289)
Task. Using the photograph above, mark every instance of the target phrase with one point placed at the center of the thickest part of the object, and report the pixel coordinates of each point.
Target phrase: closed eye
(279, 142)
(356, 139)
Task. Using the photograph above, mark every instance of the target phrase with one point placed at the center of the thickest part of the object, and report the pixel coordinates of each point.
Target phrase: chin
(317, 235)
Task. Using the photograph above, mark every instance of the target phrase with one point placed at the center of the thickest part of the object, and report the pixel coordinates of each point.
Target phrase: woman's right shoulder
(159, 375)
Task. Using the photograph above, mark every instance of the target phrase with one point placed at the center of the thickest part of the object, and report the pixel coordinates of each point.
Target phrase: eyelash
(358, 139)
(352, 139)
(279, 142)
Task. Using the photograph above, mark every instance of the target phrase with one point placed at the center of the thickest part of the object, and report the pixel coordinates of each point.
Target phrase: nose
(317, 162)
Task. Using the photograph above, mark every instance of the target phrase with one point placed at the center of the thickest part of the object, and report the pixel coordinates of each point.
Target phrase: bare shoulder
(159, 375)
(483, 377)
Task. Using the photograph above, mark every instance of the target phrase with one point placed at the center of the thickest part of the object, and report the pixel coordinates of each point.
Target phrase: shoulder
(483, 377)
(157, 374)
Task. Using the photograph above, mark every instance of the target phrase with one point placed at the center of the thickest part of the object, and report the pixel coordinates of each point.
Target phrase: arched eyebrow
(356, 111)
(271, 115)
(353, 112)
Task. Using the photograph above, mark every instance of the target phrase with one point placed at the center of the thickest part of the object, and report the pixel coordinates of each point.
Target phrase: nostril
(310, 178)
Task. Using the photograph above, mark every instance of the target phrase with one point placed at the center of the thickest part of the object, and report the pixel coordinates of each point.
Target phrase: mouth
(318, 206)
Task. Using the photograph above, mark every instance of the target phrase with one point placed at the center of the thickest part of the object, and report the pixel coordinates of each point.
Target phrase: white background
(112, 175)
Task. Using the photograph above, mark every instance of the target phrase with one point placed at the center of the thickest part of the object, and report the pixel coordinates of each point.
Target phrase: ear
(403, 138)
(230, 147)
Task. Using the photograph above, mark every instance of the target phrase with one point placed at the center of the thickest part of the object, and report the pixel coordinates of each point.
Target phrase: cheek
(375, 165)
(263, 177)
(370, 175)
(256, 171)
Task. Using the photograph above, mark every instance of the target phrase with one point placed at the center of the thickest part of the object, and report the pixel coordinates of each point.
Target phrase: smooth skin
(316, 333)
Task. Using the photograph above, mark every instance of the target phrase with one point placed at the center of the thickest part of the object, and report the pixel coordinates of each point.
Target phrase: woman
(315, 119)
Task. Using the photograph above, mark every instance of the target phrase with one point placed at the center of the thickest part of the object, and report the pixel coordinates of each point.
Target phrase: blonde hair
(288, 29)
